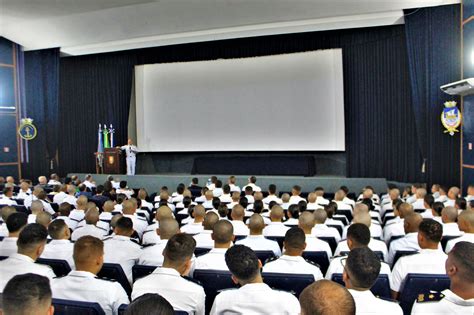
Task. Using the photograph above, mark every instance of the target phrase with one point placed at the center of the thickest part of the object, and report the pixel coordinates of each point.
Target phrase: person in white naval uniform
(409, 242)
(449, 216)
(291, 261)
(27, 294)
(183, 294)
(204, 239)
(31, 242)
(83, 285)
(60, 246)
(276, 226)
(195, 227)
(326, 298)
(15, 223)
(459, 298)
(251, 183)
(395, 227)
(90, 228)
(5, 213)
(153, 255)
(321, 229)
(237, 215)
(256, 241)
(130, 155)
(358, 236)
(253, 296)
(466, 224)
(430, 260)
(120, 249)
(313, 244)
(223, 236)
(362, 268)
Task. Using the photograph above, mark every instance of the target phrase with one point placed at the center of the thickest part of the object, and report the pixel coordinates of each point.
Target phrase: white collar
(218, 251)
(166, 271)
(21, 257)
(81, 274)
(60, 242)
(453, 297)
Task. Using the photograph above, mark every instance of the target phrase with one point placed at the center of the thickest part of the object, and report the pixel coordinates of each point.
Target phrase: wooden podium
(112, 161)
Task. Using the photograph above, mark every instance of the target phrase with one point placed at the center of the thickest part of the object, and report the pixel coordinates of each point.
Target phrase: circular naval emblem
(27, 130)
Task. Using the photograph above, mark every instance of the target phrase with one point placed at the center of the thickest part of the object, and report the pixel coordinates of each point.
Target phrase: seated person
(31, 242)
(430, 259)
(195, 227)
(237, 216)
(15, 223)
(27, 294)
(256, 241)
(120, 249)
(82, 284)
(291, 261)
(449, 215)
(60, 247)
(150, 304)
(150, 235)
(466, 224)
(358, 236)
(182, 294)
(459, 298)
(409, 242)
(153, 255)
(204, 239)
(362, 268)
(253, 296)
(321, 229)
(223, 236)
(90, 228)
(325, 297)
(276, 226)
(313, 244)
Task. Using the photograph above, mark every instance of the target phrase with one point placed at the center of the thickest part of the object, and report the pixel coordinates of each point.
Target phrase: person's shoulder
(193, 283)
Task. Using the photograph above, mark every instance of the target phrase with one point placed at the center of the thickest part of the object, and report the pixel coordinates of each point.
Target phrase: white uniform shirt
(3, 230)
(394, 227)
(146, 204)
(214, 260)
(28, 200)
(89, 184)
(449, 202)
(322, 201)
(121, 250)
(330, 221)
(271, 198)
(322, 230)
(77, 216)
(47, 207)
(293, 265)
(234, 188)
(313, 206)
(225, 198)
(204, 239)
(182, 294)
(428, 261)
(72, 200)
(126, 192)
(253, 299)
(407, 243)
(375, 231)
(294, 200)
(153, 255)
(349, 201)
(23, 194)
(150, 236)
(18, 264)
(8, 246)
(336, 267)
(275, 229)
(341, 205)
(6, 201)
(88, 229)
(291, 222)
(59, 197)
(374, 245)
(259, 242)
(367, 304)
(450, 304)
(451, 229)
(240, 228)
(139, 224)
(418, 204)
(316, 245)
(59, 249)
(31, 218)
(254, 187)
(466, 237)
(130, 150)
(192, 228)
(84, 286)
(217, 192)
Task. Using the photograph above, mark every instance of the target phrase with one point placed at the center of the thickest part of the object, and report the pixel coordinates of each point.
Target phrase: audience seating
(331, 241)
(278, 239)
(416, 284)
(346, 213)
(395, 237)
(319, 258)
(3, 257)
(337, 227)
(115, 272)
(294, 283)
(22, 209)
(59, 266)
(198, 251)
(213, 281)
(140, 271)
(67, 307)
(122, 309)
(401, 253)
(381, 287)
(446, 239)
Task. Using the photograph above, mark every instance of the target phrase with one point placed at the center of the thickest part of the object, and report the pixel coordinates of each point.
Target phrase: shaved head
(256, 224)
(210, 220)
(81, 202)
(92, 216)
(363, 218)
(306, 221)
(199, 211)
(326, 297)
(277, 213)
(466, 221)
(238, 212)
(163, 212)
(320, 216)
(412, 222)
(36, 207)
(168, 228)
(449, 215)
(404, 209)
(360, 208)
(223, 232)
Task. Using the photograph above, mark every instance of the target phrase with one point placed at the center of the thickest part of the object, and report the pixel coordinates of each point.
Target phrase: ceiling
(94, 26)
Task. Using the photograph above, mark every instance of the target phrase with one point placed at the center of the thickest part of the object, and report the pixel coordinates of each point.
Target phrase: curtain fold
(433, 47)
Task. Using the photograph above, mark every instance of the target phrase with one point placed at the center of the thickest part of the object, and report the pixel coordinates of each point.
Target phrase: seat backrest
(347, 213)
(22, 209)
(3, 257)
(416, 283)
(59, 266)
(294, 283)
(401, 253)
(68, 307)
(264, 255)
(446, 239)
(213, 281)
(331, 241)
(320, 258)
(337, 227)
(381, 287)
(115, 272)
(278, 239)
(122, 308)
(140, 271)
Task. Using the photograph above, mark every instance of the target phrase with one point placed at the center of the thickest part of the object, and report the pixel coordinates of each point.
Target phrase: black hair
(429, 200)
(16, 221)
(195, 180)
(345, 189)
(369, 203)
(272, 189)
(124, 223)
(461, 203)
(359, 233)
(226, 189)
(295, 238)
(363, 267)
(294, 210)
(99, 189)
(431, 229)
(179, 247)
(242, 262)
(302, 205)
(463, 254)
(216, 202)
(149, 304)
(258, 206)
(438, 207)
(31, 235)
(244, 202)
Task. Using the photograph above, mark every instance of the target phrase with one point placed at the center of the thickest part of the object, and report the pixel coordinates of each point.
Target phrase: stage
(153, 182)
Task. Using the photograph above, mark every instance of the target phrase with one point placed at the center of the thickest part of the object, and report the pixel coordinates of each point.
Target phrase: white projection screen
(291, 102)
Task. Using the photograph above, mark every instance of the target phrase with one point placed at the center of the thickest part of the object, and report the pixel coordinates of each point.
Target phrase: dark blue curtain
(42, 105)
(433, 46)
